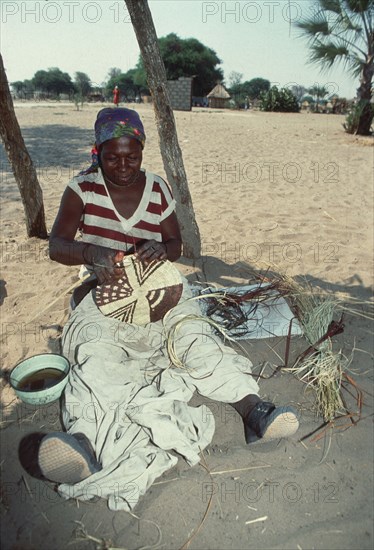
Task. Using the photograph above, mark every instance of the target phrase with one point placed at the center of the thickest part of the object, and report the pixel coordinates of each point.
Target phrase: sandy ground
(286, 190)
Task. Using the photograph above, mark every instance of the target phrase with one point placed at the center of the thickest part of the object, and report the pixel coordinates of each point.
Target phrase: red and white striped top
(103, 225)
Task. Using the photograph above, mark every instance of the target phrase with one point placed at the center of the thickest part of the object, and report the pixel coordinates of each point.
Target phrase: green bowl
(35, 366)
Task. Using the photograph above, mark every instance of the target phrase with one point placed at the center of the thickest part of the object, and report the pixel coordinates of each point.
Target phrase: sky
(255, 38)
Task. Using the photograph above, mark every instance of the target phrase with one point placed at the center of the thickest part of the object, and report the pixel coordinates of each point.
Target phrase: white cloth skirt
(125, 395)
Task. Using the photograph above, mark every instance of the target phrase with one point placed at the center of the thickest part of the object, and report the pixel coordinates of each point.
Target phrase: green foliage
(186, 57)
(308, 98)
(23, 88)
(18, 86)
(78, 100)
(114, 72)
(236, 91)
(252, 89)
(281, 100)
(352, 119)
(127, 84)
(82, 84)
(235, 79)
(256, 87)
(298, 91)
(53, 82)
(342, 31)
(318, 92)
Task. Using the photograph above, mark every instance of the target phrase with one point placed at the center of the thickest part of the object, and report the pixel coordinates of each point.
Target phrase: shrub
(281, 100)
(353, 118)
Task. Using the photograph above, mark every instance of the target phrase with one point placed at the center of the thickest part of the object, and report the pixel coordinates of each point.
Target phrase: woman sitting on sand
(126, 406)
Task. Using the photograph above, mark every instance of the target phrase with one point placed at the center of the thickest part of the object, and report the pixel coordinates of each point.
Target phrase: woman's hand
(151, 250)
(103, 261)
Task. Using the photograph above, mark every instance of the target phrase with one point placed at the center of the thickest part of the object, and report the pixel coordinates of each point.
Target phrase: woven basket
(144, 294)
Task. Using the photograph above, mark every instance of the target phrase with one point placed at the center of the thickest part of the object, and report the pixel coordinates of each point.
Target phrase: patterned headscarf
(117, 122)
(112, 123)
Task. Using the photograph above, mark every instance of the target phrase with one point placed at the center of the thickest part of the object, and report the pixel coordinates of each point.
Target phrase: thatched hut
(218, 97)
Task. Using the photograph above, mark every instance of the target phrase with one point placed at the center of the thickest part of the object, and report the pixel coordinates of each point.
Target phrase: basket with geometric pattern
(144, 293)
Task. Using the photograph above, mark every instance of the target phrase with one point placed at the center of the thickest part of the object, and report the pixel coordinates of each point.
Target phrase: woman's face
(121, 160)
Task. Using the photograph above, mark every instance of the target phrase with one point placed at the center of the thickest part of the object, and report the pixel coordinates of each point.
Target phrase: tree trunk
(364, 101)
(22, 166)
(141, 19)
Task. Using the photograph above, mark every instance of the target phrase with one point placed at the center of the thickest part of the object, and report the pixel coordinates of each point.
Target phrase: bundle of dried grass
(319, 366)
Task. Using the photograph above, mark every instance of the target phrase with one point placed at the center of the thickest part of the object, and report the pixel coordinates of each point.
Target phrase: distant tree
(235, 79)
(113, 73)
(140, 79)
(343, 31)
(82, 83)
(281, 100)
(127, 84)
(186, 57)
(18, 86)
(53, 81)
(318, 92)
(236, 89)
(256, 87)
(298, 91)
(252, 89)
(23, 88)
(82, 88)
